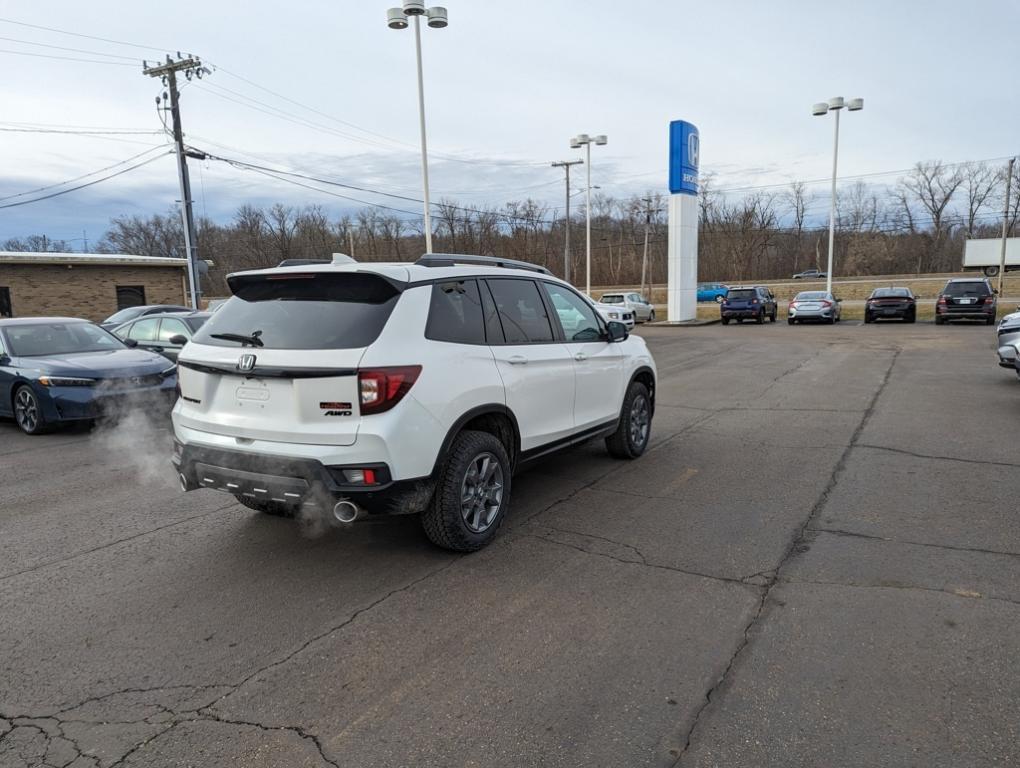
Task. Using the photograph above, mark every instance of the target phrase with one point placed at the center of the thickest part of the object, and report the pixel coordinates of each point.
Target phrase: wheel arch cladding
(497, 420)
(644, 375)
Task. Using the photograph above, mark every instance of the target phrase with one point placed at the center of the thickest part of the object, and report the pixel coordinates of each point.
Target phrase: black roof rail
(453, 259)
(302, 262)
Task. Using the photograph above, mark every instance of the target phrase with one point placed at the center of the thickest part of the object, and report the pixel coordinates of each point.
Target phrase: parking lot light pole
(818, 110)
(584, 140)
(396, 18)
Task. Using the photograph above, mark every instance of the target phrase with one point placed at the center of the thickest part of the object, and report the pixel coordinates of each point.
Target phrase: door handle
(580, 357)
(517, 360)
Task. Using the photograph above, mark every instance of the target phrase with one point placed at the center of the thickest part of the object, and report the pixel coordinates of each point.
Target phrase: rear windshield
(967, 289)
(741, 293)
(612, 298)
(890, 293)
(810, 296)
(59, 339)
(302, 311)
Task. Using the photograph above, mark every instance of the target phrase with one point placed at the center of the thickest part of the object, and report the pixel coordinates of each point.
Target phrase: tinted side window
(521, 311)
(493, 328)
(455, 314)
(576, 316)
(144, 330)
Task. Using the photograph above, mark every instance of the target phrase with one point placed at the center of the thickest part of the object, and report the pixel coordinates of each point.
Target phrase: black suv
(969, 298)
(753, 303)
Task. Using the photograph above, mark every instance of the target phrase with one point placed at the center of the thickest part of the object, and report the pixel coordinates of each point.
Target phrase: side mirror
(130, 343)
(4, 359)
(839, 301)
(178, 339)
(617, 331)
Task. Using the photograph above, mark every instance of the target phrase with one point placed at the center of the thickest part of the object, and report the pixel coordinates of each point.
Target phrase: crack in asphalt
(794, 547)
(101, 547)
(640, 563)
(950, 547)
(960, 593)
(215, 718)
(917, 455)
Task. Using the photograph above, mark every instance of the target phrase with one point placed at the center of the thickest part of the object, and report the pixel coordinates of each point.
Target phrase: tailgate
(276, 401)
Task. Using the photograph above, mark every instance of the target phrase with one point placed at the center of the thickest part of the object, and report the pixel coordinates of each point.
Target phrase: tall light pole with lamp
(396, 18)
(818, 110)
(584, 140)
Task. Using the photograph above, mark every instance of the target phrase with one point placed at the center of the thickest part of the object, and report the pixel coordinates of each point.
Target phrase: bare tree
(979, 182)
(798, 200)
(932, 184)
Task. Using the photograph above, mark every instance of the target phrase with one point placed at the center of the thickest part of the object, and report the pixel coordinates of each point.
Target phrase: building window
(130, 296)
(5, 302)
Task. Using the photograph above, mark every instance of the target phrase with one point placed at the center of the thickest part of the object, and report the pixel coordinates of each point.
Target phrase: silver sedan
(814, 306)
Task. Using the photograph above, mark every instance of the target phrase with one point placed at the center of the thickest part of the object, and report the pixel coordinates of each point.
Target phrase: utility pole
(644, 257)
(1005, 222)
(350, 240)
(565, 165)
(167, 71)
(85, 241)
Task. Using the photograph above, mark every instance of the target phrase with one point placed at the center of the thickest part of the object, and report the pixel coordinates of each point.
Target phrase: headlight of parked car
(614, 315)
(66, 381)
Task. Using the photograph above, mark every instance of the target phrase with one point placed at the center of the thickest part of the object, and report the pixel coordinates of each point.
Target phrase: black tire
(991, 271)
(28, 413)
(940, 320)
(274, 508)
(790, 321)
(990, 320)
(446, 520)
(632, 433)
(725, 321)
(867, 317)
(772, 317)
(651, 316)
(911, 317)
(761, 317)
(831, 320)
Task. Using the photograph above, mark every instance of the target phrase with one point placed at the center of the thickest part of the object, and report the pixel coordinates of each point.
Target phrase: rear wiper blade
(253, 340)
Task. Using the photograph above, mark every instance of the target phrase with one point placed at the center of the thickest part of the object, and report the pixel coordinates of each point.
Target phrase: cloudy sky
(325, 88)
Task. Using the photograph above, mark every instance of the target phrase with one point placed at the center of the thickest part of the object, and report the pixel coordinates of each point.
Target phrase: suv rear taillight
(990, 299)
(382, 388)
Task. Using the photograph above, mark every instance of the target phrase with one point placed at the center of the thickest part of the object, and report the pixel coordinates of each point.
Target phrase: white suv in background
(641, 310)
(402, 388)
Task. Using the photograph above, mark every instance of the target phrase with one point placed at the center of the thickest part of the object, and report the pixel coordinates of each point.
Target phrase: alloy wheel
(26, 410)
(481, 492)
(640, 418)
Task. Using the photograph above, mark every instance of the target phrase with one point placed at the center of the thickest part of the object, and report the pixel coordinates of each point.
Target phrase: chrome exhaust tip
(185, 485)
(346, 511)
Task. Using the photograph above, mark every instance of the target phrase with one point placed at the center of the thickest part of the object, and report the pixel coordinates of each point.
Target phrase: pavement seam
(100, 548)
(950, 547)
(794, 547)
(907, 587)
(938, 458)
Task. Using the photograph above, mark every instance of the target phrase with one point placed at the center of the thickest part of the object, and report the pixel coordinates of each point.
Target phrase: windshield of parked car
(889, 293)
(967, 289)
(612, 298)
(811, 296)
(302, 311)
(59, 339)
(741, 293)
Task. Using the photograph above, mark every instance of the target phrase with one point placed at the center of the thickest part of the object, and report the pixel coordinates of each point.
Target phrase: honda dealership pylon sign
(682, 251)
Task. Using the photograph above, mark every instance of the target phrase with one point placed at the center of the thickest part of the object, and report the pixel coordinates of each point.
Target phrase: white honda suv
(362, 389)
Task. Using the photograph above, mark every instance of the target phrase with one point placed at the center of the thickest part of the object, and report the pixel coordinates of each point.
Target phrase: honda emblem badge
(246, 363)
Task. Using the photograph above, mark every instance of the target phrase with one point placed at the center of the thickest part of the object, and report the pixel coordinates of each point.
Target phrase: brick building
(88, 285)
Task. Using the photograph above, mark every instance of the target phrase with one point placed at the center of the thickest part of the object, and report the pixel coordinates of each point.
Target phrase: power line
(133, 59)
(81, 133)
(68, 58)
(83, 176)
(79, 34)
(82, 186)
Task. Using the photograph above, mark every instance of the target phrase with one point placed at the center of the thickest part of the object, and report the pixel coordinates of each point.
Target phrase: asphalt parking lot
(817, 563)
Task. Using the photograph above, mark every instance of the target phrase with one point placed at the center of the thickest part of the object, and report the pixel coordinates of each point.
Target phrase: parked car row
(58, 370)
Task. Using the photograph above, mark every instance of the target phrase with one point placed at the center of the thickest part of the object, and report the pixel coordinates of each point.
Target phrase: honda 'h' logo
(693, 149)
(245, 363)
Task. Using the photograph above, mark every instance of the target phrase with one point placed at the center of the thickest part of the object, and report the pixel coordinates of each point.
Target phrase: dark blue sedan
(61, 369)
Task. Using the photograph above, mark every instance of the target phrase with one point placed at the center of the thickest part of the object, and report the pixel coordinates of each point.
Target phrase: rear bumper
(738, 313)
(291, 480)
(978, 312)
(811, 314)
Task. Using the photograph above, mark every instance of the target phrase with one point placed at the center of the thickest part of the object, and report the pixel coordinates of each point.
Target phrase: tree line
(916, 225)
